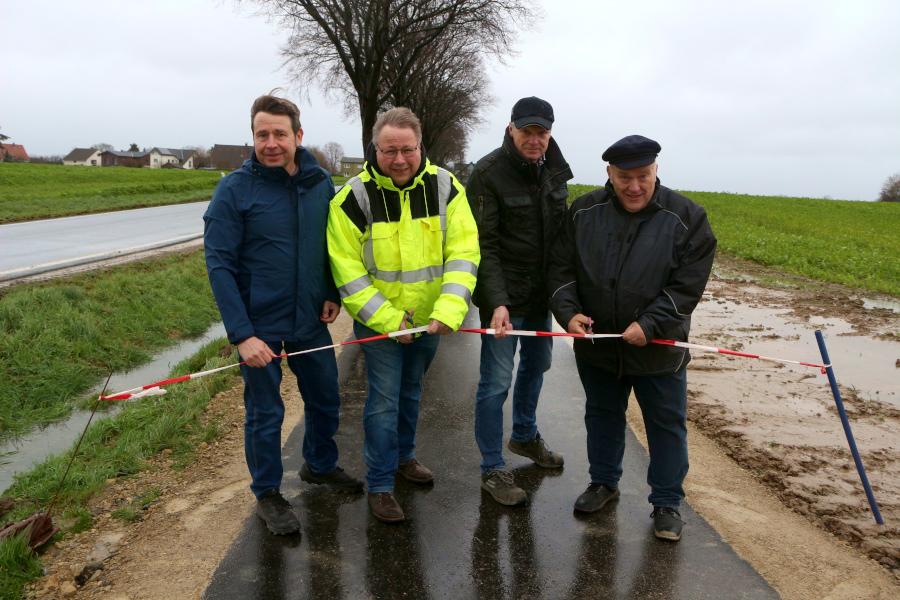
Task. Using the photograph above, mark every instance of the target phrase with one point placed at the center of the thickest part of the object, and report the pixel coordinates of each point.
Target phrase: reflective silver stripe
(369, 309)
(369, 254)
(357, 285)
(457, 289)
(444, 184)
(423, 274)
(362, 197)
(464, 266)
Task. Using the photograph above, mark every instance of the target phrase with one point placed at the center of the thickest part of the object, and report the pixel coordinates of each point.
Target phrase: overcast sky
(763, 97)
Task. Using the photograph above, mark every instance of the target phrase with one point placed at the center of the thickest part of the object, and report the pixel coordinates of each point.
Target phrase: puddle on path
(23, 453)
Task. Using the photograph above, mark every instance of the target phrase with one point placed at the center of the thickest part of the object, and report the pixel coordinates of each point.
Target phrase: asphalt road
(35, 247)
(457, 543)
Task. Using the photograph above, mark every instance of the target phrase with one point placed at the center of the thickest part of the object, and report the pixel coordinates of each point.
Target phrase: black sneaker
(337, 479)
(595, 497)
(667, 523)
(272, 508)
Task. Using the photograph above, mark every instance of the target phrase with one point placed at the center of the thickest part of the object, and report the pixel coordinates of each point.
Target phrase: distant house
(172, 157)
(351, 165)
(14, 152)
(114, 158)
(83, 156)
(224, 156)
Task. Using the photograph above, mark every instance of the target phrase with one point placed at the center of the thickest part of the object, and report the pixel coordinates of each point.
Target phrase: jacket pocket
(383, 251)
(518, 201)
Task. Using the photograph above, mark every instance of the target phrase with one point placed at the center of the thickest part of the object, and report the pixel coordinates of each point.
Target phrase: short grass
(61, 338)
(114, 447)
(38, 191)
(852, 243)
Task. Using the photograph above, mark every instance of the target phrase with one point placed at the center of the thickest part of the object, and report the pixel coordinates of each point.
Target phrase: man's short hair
(398, 117)
(276, 106)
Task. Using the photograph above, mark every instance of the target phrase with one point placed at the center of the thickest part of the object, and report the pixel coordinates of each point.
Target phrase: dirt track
(778, 425)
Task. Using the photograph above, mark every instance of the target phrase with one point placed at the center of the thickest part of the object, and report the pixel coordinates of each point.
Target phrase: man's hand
(500, 321)
(580, 324)
(438, 328)
(406, 323)
(330, 311)
(255, 352)
(634, 335)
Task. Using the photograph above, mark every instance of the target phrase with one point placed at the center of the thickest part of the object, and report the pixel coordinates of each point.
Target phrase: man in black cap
(633, 258)
(518, 195)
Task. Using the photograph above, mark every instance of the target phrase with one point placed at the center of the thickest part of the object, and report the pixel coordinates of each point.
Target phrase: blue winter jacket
(266, 257)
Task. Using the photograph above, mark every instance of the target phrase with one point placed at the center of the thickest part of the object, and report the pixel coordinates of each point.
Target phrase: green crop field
(36, 191)
(839, 241)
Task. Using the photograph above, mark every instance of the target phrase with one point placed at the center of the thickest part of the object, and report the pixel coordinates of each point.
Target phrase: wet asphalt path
(41, 246)
(459, 544)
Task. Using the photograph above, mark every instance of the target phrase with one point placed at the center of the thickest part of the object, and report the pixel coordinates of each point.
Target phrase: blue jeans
(394, 373)
(317, 378)
(663, 402)
(497, 356)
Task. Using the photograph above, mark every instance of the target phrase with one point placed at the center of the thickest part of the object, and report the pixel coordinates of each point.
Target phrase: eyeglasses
(393, 152)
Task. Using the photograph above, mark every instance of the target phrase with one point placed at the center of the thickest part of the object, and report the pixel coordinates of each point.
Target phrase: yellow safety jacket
(396, 251)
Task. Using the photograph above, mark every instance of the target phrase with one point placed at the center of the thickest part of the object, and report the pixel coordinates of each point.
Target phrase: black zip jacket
(619, 267)
(519, 208)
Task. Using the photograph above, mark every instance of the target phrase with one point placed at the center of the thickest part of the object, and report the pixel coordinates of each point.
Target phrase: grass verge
(115, 447)
(838, 241)
(61, 338)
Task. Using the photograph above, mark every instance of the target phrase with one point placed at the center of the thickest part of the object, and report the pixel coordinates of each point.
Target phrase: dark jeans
(497, 356)
(394, 373)
(663, 402)
(317, 379)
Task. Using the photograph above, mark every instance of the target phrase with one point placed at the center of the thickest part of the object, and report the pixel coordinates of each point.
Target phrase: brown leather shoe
(385, 507)
(416, 472)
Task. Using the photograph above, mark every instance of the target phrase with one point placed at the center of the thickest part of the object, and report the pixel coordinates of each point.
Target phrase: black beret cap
(632, 152)
(532, 111)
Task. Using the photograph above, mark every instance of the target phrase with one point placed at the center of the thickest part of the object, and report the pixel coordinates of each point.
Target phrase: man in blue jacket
(268, 267)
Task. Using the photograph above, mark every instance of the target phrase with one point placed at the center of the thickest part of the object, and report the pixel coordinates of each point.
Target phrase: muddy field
(780, 422)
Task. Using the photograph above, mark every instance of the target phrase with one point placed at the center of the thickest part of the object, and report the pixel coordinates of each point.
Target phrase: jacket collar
(308, 169)
(386, 182)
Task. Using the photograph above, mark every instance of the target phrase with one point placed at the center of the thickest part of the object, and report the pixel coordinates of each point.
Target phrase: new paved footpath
(459, 544)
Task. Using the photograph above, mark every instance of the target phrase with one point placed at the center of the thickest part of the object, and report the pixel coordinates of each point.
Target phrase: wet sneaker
(385, 507)
(667, 523)
(277, 513)
(337, 479)
(537, 451)
(595, 497)
(502, 488)
(415, 471)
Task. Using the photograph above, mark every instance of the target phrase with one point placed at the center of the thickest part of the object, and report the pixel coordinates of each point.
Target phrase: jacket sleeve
(461, 258)
(485, 206)
(223, 232)
(562, 282)
(686, 282)
(360, 298)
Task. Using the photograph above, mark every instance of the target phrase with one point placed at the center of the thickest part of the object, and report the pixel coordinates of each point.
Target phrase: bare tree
(334, 152)
(347, 45)
(320, 157)
(103, 147)
(890, 191)
(133, 148)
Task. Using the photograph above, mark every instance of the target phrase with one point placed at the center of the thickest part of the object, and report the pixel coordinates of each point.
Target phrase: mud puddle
(22, 453)
(780, 421)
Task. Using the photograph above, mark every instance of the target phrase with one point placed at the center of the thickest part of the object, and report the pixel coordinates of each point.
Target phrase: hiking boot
(272, 508)
(416, 472)
(537, 451)
(595, 497)
(502, 488)
(667, 523)
(385, 507)
(338, 479)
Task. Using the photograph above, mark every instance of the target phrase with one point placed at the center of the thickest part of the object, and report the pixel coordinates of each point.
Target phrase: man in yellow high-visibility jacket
(404, 253)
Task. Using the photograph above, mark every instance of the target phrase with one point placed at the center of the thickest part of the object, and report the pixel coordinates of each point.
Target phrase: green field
(853, 243)
(36, 191)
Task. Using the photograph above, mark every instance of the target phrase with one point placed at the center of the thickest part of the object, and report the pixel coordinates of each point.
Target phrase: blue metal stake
(847, 431)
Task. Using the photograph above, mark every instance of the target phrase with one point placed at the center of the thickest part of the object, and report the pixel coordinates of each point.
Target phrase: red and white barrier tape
(155, 388)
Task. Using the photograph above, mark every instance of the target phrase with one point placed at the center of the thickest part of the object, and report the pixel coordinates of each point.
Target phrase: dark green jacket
(519, 207)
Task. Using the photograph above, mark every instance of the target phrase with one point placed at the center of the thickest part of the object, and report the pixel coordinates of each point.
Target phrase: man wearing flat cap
(518, 196)
(633, 258)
